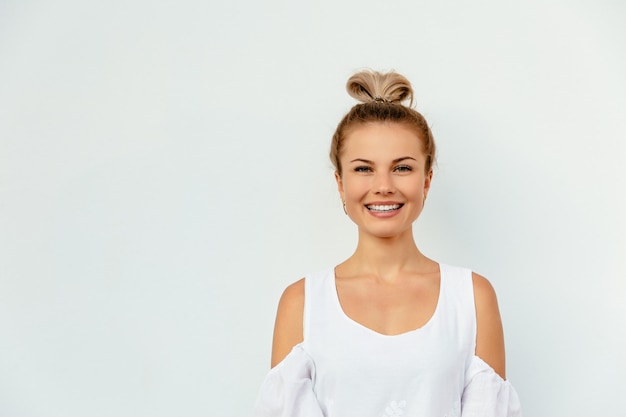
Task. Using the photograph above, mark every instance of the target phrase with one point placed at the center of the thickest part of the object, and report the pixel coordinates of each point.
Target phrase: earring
(344, 206)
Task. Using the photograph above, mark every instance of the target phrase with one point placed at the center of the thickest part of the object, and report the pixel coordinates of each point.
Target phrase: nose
(383, 184)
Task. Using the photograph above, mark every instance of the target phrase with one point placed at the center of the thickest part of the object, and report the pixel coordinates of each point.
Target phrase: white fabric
(344, 369)
(486, 394)
(288, 388)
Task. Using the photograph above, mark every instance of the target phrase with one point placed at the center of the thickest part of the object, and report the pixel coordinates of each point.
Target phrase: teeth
(384, 208)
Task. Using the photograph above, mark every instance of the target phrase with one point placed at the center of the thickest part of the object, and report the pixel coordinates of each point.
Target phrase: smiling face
(384, 181)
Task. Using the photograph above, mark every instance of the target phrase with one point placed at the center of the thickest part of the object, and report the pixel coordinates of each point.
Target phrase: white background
(164, 175)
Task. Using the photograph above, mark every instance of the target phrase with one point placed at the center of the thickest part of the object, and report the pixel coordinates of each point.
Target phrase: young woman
(388, 332)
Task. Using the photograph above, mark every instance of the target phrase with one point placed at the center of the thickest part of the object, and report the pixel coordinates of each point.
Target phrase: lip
(384, 203)
(386, 212)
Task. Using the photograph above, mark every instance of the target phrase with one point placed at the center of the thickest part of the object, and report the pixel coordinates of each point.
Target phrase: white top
(344, 369)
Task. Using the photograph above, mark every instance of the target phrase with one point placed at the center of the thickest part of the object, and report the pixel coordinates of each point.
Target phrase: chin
(386, 234)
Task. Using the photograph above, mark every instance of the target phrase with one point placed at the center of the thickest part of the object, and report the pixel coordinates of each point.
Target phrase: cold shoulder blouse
(344, 369)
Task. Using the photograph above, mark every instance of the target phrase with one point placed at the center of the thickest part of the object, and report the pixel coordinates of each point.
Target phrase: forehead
(382, 141)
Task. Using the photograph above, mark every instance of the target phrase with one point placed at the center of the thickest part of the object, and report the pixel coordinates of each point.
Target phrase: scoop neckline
(428, 323)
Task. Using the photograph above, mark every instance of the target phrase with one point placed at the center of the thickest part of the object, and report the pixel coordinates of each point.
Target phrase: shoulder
(292, 297)
(489, 333)
(484, 293)
(288, 328)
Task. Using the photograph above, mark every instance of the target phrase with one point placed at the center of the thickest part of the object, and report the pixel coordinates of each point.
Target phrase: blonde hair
(381, 96)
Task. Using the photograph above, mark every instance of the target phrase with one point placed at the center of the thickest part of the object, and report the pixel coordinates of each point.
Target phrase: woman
(388, 332)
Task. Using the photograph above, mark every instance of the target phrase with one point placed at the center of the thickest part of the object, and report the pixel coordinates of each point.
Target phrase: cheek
(412, 186)
(355, 189)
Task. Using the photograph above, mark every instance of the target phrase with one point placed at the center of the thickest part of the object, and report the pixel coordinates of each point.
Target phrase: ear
(339, 184)
(427, 181)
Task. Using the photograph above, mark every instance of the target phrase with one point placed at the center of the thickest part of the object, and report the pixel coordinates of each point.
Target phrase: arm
(486, 392)
(489, 333)
(288, 389)
(288, 329)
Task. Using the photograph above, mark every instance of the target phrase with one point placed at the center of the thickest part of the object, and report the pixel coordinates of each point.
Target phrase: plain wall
(164, 175)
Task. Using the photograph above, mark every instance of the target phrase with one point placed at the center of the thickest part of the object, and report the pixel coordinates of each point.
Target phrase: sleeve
(287, 390)
(486, 394)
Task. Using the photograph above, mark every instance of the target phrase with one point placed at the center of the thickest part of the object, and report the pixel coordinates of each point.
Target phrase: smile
(383, 208)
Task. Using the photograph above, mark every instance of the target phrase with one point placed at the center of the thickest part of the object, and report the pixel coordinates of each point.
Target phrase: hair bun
(367, 86)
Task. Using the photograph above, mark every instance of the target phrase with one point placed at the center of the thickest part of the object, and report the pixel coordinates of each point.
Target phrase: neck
(386, 258)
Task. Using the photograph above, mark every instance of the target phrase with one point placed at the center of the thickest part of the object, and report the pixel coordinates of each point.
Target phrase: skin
(388, 285)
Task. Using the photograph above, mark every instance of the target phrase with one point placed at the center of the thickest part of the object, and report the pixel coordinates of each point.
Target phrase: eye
(363, 168)
(403, 168)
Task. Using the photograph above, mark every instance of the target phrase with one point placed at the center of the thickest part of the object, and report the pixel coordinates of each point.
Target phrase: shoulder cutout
(489, 333)
(288, 328)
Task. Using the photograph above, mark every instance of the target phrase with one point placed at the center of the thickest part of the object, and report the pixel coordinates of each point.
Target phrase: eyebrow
(395, 161)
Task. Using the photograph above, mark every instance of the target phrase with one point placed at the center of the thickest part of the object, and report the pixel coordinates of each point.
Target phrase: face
(383, 181)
